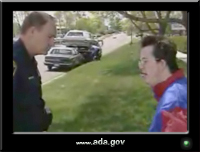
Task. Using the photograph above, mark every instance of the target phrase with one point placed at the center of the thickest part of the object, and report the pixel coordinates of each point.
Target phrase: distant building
(61, 30)
(178, 29)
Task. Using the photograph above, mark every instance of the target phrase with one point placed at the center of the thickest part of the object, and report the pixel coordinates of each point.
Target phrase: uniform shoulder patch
(14, 67)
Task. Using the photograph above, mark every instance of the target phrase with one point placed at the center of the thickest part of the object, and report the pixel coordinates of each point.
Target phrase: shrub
(181, 42)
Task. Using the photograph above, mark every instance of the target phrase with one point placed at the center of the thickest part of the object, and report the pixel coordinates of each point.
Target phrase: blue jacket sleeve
(169, 102)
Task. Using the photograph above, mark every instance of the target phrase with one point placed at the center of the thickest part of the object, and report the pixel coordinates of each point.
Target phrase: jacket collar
(161, 87)
(25, 52)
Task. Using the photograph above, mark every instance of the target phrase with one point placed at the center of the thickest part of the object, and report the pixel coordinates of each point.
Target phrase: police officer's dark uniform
(29, 112)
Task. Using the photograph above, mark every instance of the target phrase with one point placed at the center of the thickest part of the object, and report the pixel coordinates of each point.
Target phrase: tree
(97, 24)
(115, 24)
(16, 29)
(107, 16)
(126, 23)
(161, 19)
(18, 17)
(69, 19)
(83, 24)
(59, 18)
(184, 19)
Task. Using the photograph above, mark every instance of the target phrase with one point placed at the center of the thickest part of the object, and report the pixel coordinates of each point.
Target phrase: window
(87, 35)
(75, 34)
(62, 51)
(75, 52)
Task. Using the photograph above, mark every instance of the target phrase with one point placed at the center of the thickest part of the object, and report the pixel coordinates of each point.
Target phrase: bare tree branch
(150, 30)
(168, 14)
(132, 17)
(184, 18)
(16, 16)
(159, 15)
(136, 25)
(147, 24)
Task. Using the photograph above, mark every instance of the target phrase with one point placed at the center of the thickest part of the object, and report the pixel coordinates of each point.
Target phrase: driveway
(110, 44)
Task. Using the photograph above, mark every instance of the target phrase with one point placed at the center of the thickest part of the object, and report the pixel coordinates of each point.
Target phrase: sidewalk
(182, 56)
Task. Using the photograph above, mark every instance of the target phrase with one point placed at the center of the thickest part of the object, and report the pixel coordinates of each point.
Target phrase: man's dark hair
(36, 19)
(164, 49)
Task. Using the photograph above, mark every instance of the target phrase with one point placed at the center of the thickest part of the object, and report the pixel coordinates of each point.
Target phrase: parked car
(93, 39)
(78, 33)
(59, 36)
(85, 42)
(63, 57)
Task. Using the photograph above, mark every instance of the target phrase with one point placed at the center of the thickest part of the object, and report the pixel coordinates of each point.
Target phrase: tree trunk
(162, 28)
(184, 19)
(17, 19)
(60, 27)
(131, 37)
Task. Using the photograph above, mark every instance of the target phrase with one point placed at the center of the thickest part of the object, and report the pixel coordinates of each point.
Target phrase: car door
(77, 57)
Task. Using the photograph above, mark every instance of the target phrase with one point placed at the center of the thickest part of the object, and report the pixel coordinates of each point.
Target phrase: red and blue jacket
(172, 97)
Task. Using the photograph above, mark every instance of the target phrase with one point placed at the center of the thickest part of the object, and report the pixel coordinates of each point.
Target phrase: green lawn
(181, 42)
(105, 96)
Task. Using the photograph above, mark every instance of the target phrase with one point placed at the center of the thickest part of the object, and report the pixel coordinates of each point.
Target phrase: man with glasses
(159, 69)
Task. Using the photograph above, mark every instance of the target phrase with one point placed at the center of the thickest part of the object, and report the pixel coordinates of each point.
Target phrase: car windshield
(75, 34)
(62, 51)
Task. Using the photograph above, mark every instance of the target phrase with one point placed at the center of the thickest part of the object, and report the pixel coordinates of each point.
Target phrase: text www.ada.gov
(111, 143)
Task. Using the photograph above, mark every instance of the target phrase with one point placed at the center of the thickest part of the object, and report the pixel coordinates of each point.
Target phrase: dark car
(90, 49)
(63, 57)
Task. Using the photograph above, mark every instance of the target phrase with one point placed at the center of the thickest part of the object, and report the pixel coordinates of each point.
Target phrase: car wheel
(49, 68)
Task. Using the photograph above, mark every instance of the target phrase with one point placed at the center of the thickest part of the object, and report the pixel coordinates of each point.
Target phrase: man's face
(149, 68)
(43, 38)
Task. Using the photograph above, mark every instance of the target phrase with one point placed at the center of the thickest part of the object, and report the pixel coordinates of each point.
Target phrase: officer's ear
(32, 30)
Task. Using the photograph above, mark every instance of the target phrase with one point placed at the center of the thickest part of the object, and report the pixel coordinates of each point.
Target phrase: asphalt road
(110, 44)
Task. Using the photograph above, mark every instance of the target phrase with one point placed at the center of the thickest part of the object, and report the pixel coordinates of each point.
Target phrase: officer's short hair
(36, 19)
(163, 49)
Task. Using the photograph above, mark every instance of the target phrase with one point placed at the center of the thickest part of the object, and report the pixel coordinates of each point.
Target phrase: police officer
(29, 111)
(94, 55)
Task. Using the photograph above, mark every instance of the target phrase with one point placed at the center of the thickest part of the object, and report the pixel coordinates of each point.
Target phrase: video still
(102, 79)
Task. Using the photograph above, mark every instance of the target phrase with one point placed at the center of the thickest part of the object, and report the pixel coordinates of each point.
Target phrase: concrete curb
(182, 56)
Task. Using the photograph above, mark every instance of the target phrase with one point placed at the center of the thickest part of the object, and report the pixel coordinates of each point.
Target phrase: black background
(68, 142)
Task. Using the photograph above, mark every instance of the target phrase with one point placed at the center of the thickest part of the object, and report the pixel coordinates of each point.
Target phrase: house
(178, 29)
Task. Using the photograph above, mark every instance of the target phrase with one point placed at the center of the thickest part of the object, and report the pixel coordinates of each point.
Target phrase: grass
(181, 42)
(105, 96)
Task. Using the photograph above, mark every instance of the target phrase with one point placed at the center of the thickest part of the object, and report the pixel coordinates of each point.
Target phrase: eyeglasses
(144, 62)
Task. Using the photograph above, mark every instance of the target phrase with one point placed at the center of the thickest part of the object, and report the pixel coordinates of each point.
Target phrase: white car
(81, 36)
(79, 33)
